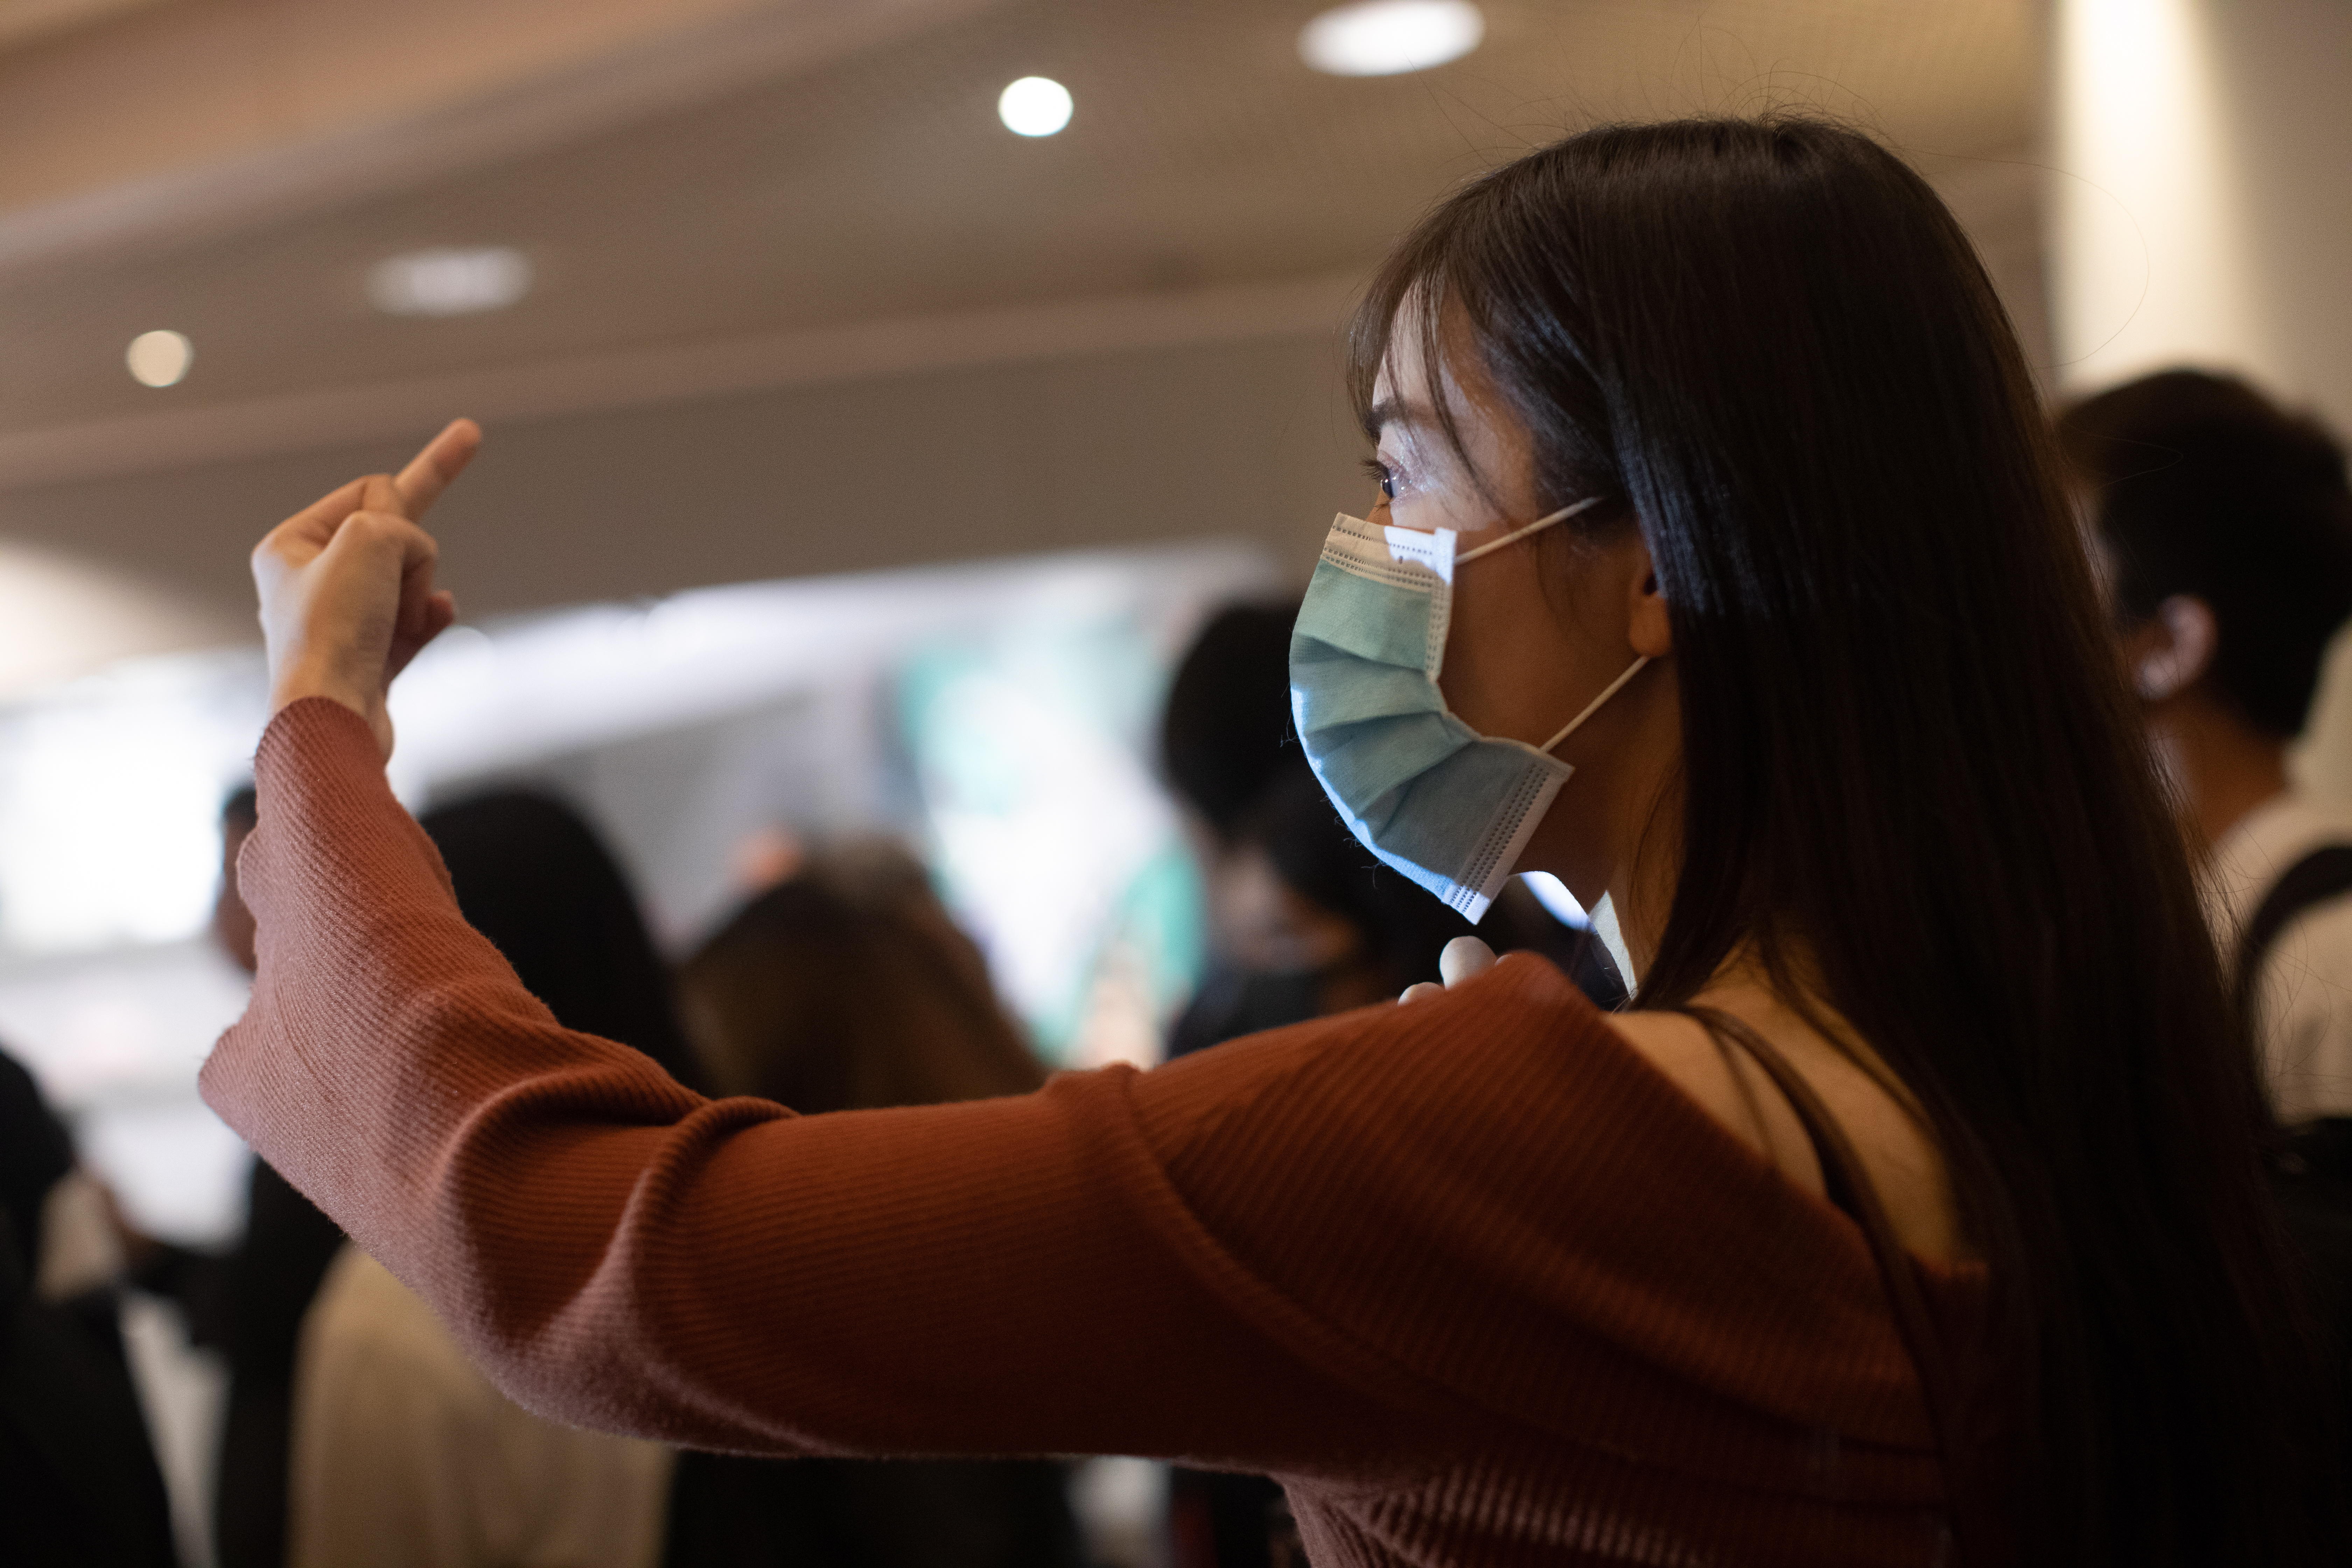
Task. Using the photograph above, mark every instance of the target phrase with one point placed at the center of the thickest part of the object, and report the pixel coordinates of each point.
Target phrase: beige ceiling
(867, 180)
(803, 305)
(93, 96)
(27, 22)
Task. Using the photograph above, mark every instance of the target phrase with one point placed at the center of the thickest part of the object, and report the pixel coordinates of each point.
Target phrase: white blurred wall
(2201, 213)
(2202, 201)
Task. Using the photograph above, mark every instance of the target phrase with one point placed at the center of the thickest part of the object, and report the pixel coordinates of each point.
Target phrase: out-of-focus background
(865, 441)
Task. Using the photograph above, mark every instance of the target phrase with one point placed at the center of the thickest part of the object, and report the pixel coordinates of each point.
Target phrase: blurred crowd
(355, 1430)
(357, 1433)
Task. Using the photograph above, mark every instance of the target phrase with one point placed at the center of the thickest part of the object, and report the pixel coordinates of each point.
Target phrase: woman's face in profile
(1425, 484)
(1540, 627)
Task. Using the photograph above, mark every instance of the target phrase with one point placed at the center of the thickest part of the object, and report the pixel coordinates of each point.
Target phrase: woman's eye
(1380, 476)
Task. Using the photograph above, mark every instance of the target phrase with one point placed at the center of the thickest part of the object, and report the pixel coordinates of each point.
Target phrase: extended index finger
(443, 459)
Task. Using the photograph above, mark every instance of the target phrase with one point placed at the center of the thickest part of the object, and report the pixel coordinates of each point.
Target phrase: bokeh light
(1387, 37)
(1034, 106)
(160, 358)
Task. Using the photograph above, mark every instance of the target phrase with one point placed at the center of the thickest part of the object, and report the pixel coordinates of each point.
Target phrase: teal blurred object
(1049, 835)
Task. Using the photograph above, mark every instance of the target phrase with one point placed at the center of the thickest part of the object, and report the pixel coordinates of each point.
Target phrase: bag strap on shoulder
(2325, 873)
(1846, 1177)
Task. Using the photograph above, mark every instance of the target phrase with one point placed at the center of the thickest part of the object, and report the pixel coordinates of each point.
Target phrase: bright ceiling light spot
(449, 282)
(1034, 106)
(1384, 38)
(160, 359)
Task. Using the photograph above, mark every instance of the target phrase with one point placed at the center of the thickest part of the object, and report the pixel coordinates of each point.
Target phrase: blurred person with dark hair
(79, 1481)
(2223, 525)
(247, 1303)
(1304, 923)
(37, 1153)
(1225, 729)
(232, 923)
(264, 1288)
(405, 1456)
(849, 987)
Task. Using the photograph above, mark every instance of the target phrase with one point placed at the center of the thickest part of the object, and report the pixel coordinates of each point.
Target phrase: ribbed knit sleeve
(1008, 1277)
(1478, 1237)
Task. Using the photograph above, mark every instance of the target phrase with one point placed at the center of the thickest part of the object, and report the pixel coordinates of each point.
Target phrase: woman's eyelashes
(1395, 473)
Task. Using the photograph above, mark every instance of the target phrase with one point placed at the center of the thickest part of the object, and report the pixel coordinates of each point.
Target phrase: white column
(2201, 203)
(2201, 213)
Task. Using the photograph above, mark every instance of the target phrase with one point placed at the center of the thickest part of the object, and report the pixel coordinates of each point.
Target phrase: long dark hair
(534, 878)
(1911, 771)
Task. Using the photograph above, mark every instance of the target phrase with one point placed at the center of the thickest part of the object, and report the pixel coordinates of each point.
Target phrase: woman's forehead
(1402, 390)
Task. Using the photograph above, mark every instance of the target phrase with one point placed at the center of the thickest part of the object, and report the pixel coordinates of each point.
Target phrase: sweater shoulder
(1516, 1068)
(1501, 1156)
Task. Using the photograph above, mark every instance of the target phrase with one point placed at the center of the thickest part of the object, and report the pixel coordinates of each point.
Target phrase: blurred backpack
(2311, 1167)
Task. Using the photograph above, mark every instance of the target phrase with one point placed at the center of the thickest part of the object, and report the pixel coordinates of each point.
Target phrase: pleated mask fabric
(1442, 805)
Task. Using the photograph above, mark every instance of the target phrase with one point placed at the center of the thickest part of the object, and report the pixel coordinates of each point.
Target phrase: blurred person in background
(2224, 526)
(232, 923)
(248, 1303)
(405, 1456)
(1303, 923)
(79, 1481)
(849, 987)
(1721, 564)
(36, 1154)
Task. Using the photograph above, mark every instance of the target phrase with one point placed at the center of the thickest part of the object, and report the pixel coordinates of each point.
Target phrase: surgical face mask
(1441, 803)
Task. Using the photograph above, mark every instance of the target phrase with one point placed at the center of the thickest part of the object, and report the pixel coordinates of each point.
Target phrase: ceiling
(875, 185)
(802, 304)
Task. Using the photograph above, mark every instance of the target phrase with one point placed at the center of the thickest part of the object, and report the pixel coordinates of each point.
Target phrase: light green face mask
(1443, 805)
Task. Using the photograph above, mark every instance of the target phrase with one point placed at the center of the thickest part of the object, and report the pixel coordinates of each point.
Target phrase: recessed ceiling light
(1034, 106)
(1385, 38)
(160, 359)
(449, 282)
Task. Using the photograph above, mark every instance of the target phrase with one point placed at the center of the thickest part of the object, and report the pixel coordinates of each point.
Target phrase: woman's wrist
(293, 684)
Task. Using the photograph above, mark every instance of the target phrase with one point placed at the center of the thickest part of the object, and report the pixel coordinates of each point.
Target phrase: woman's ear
(1647, 627)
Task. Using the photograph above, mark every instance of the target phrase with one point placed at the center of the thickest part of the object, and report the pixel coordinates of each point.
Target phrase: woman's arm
(1008, 1277)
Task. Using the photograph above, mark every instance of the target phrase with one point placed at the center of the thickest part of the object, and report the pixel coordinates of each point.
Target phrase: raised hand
(346, 585)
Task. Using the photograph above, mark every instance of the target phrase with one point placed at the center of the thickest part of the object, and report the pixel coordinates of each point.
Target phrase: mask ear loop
(1593, 707)
(1516, 535)
(1631, 670)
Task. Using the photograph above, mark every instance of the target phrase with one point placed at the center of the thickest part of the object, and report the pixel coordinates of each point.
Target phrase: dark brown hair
(1907, 758)
(850, 988)
(532, 875)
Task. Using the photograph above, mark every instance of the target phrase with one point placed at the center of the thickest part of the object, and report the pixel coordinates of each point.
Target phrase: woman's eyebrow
(1394, 411)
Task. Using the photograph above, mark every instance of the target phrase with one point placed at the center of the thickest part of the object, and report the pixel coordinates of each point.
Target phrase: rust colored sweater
(1471, 1277)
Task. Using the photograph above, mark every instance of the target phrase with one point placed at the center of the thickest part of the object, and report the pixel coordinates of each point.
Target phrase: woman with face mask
(1913, 1215)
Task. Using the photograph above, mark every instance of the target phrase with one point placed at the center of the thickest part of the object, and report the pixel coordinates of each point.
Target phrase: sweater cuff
(318, 763)
(320, 730)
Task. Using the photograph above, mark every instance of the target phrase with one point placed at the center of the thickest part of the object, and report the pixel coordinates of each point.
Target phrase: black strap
(2325, 873)
(1850, 1186)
